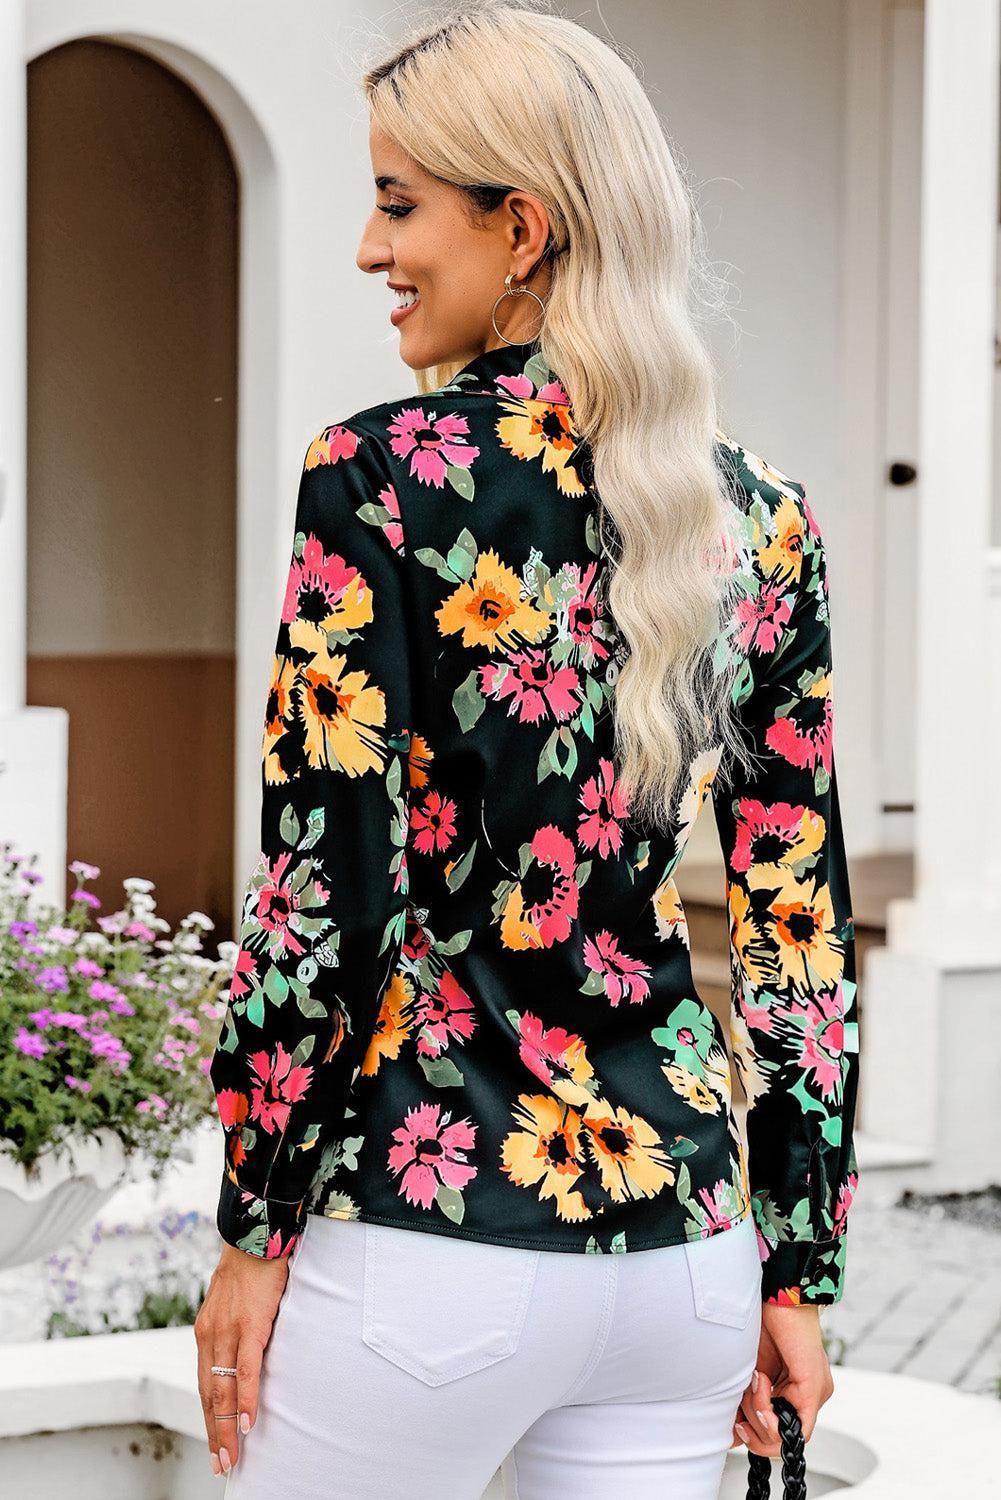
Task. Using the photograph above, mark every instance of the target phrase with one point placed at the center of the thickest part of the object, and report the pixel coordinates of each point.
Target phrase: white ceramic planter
(42, 1209)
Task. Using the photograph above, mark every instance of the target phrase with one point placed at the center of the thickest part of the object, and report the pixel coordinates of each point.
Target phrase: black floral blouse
(463, 1000)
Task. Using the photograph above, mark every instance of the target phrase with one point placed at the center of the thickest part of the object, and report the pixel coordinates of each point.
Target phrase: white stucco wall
(751, 92)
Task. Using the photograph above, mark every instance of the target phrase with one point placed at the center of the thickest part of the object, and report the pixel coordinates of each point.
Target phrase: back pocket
(439, 1306)
(725, 1271)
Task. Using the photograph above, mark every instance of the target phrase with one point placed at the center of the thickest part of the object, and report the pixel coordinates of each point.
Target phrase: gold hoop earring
(514, 291)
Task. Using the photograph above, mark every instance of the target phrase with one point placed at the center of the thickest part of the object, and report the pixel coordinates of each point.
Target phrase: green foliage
(105, 1023)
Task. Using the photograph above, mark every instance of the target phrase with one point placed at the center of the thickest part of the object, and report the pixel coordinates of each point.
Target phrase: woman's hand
(792, 1362)
(232, 1328)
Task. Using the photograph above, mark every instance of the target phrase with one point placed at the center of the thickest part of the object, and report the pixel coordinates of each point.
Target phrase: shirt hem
(524, 1242)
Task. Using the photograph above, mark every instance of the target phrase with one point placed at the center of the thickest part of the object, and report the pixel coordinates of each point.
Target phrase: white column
(954, 918)
(33, 741)
(930, 1027)
(13, 281)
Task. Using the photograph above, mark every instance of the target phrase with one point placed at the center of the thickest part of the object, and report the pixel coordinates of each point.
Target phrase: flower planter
(43, 1208)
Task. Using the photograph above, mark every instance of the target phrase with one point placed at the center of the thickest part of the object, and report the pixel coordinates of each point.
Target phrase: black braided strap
(793, 1458)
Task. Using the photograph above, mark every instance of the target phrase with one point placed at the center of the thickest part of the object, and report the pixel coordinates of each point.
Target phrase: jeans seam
(601, 1337)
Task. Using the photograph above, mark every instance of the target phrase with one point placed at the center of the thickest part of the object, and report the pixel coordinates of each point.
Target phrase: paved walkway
(922, 1297)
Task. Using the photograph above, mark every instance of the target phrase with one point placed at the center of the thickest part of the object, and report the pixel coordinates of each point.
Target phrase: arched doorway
(133, 308)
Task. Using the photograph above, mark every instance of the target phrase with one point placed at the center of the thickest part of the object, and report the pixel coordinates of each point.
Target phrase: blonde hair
(489, 95)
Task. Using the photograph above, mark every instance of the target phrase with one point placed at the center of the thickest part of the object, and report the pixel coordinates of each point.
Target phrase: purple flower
(139, 929)
(23, 929)
(32, 877)
(86, 898)
(53, 980)
(102, 990)
(29, 1043)
(88, 968)
(77, 1083)
(69, 1018)
(84, 871)
(41, 1018)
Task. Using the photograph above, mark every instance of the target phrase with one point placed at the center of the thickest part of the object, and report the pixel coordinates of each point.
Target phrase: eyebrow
(389, 181)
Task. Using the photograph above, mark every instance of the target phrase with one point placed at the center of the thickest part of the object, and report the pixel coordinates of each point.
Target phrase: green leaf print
(461, 481)
(441, 1073)
(451, 1203)
(289, 826)
(468, 702)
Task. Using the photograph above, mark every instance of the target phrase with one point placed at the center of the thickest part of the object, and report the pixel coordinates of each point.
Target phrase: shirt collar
(507, 362)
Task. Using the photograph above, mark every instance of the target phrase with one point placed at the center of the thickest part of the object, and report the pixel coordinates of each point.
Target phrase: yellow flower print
(393, 1026)
(783, 930)
(782, 555)
(419, 761)
(343, 716)
(629, 1153)
(542, 429)
(489, 609)
(546, 1152)
(754, 1081)
(717, 1074)
(692, 1089)
(669, 913)
(279, 713)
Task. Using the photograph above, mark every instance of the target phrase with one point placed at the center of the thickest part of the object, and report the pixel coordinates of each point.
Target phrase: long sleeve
(324, 908)
(794, 1022)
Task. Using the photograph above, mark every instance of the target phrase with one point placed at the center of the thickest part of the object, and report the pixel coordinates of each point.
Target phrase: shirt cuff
(794, 1272)
(265, 1227)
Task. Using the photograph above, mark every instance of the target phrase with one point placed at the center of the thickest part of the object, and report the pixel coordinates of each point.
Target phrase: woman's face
(422, 238)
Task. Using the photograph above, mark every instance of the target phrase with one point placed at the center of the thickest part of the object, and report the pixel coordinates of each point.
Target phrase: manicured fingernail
(754, 1381)
(216, 1465)
(224, 1459)
(244, 1422)
(742, 1430)
(763, 1419)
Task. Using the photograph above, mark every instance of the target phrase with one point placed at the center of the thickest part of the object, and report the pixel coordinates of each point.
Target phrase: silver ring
(225, 1416)
(223, 1370)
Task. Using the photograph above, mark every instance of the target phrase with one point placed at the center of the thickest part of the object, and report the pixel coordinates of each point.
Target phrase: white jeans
(410, 1366)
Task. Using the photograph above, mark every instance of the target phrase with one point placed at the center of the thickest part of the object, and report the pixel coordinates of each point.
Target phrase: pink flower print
(846, 1194)
(718, 1208)
(521, 387)
(442, 1016)
(822, 1017)
(805, 737)
(765, 835)
(245, 968)
(762, 619)
(430, 1152)
(332, 444)
(605, 805)
(584, 611)
(392, 530)
(433, 444)
(623, 976)
(277, 906)
(318, 585)
(279, 1085)
(433, 824)
(535, 686)
(551, 904)
(546, 1052)
(275, 1248)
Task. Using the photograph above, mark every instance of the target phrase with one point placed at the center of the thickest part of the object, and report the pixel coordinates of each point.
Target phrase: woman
(535, 615)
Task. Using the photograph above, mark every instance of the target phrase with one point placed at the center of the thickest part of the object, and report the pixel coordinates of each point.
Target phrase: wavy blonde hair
(486, 95)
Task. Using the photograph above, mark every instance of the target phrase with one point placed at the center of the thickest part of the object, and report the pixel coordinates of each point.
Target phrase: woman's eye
(394, 210)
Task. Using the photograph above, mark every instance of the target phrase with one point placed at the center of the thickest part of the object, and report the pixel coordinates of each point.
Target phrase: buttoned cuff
(796, 1272)
(265, 1227)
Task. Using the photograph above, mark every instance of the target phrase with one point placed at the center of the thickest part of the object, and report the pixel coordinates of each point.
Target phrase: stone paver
(922, 1297)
